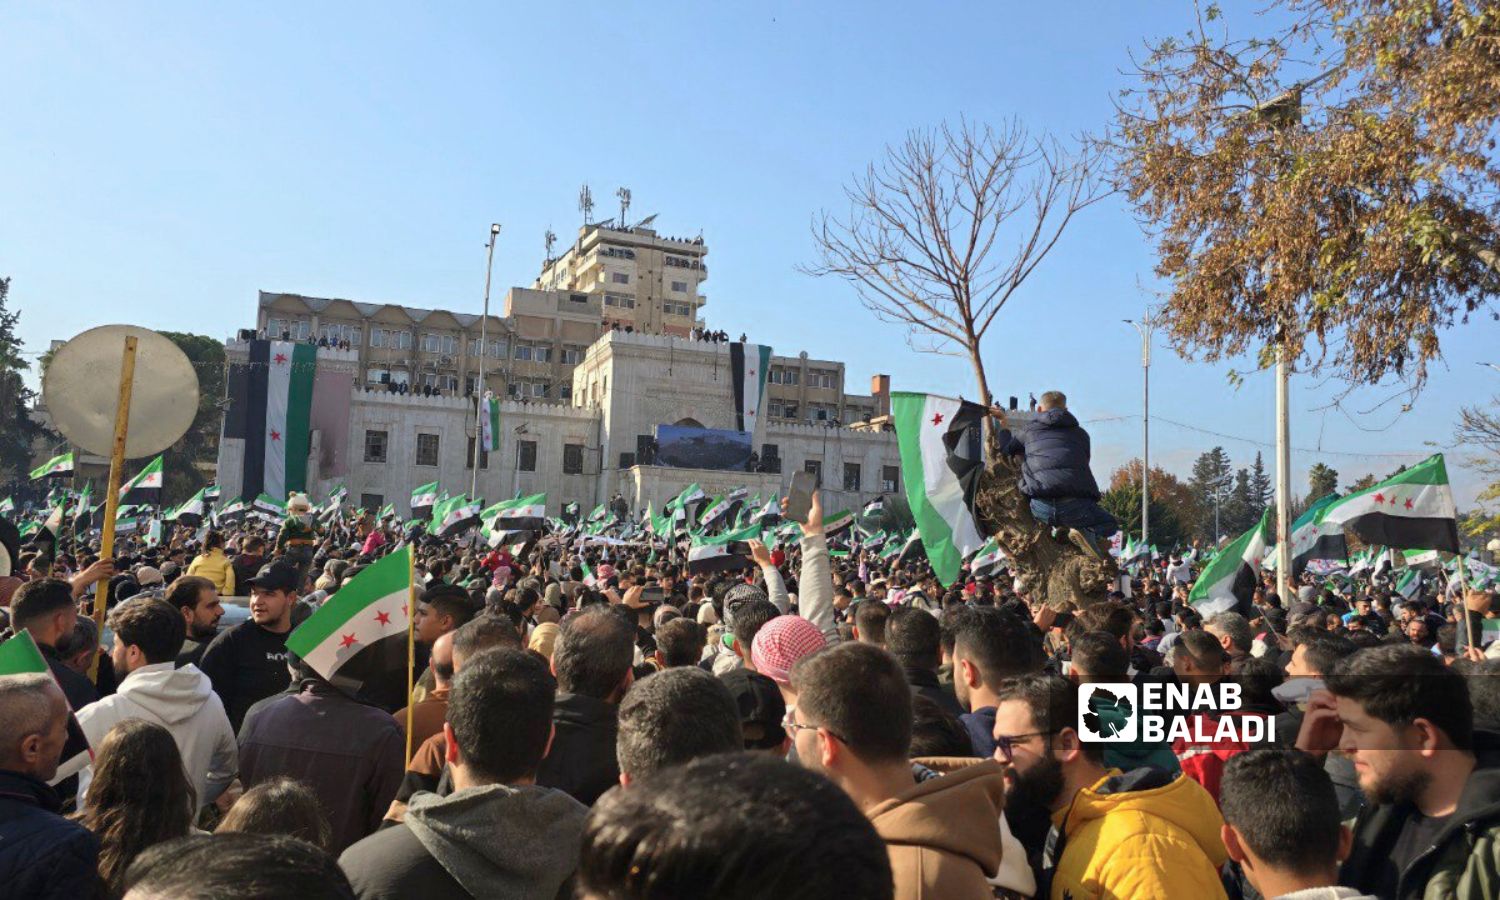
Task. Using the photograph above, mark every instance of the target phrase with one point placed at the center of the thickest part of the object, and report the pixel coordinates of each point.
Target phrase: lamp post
(1145, 326)
(489, 269)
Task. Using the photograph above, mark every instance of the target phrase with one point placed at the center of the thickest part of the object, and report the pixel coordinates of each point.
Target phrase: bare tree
(940, 234)
(947, 227)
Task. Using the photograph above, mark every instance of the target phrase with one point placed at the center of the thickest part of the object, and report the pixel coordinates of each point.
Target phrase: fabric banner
(748, 364)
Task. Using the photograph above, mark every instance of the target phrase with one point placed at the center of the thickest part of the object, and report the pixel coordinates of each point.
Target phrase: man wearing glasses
(1142, 833)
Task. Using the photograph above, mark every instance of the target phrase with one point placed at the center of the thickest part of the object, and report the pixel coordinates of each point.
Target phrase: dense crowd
(602, 720)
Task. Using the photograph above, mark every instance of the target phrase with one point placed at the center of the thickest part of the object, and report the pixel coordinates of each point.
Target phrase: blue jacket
(42, 855)
(1056, 463)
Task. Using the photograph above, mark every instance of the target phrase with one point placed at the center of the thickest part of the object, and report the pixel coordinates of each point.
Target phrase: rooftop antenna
(624, 195)
(586, 203)
(550, 240)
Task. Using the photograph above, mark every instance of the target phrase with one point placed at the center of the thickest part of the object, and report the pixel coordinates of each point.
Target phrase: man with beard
(1144, 833)
(1431, 826)
(247, 663)
(198, 600)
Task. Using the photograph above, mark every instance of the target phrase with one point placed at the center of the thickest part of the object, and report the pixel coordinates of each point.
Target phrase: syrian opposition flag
(21, 656)
(1414, 509)
(7, 505)
(988, 560)
(454, 516)
(1309, 542)
(588, 575)
(748, 365)
(360, 634)
(714, 516)
(1409, 584)
(270, 408)
(769, 512)
(56, 466)
(424, 497)
(489, 423)
(83, 510)
(145, 487)
(874, 507)
(838, 522)
(941, 459)
(522, 513)
(1228, 583)
(723, 553)
(191, 512)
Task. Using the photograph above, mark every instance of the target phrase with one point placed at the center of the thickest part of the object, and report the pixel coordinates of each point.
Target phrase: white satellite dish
(81, 388)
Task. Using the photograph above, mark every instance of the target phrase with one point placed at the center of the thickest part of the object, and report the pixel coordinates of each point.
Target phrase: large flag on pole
(1413, 509)
(270, 407)
(941, 457)
(748, 365)
(360, 634)
(454, 515)
(21, 656)
(1228, 583)
(489, 423)
(145, 487)
(1309, 542)
(61, 464)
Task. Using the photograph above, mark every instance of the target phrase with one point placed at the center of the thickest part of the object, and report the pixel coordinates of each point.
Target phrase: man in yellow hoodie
(852, 722)
(1143, 833)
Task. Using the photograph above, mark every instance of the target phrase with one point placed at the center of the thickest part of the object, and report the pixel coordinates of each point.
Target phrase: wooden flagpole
(112, 498)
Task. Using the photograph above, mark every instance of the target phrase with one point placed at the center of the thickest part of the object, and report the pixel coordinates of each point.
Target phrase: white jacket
(182, 701)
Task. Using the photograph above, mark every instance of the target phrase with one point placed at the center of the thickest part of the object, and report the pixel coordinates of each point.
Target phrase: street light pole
(1283, 476)
(489, 268)
(1145, 326)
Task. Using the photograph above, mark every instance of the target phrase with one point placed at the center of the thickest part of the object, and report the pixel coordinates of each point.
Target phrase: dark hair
(680, 642)
(39, 598)
(1053, 703)
(1099, 656)
(915, 638)
(1399, 683)
(870, 618)
(451, 601)
(238, 866)
(500, 709)
(750, 616)
(140, 795)
(594, 651)
(185, 592)
(1257, 677)
(152, 625)
(1283, 804)
(999, 643)
(734, 827)
(935, 731)
(279, 806)
(674, 716)
(1204, 649)
(213, 539)
(483, 633)
(1323, 649)
(859, 693)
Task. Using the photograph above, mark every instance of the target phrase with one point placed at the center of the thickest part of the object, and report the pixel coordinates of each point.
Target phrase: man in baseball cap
(247, 663)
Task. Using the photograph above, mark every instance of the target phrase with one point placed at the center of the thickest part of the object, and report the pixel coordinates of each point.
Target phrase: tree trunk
(1054, 571)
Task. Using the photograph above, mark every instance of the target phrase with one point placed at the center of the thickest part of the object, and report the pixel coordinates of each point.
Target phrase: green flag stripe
(386, 577)
(298, 415)
(20, 656)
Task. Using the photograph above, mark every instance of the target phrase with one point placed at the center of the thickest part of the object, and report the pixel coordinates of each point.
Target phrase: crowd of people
(606, 720)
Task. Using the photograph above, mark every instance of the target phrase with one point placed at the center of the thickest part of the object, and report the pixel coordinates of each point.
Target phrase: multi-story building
(644, 280)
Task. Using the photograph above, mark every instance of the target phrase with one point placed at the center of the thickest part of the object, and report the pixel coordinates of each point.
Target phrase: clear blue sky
(162, 162)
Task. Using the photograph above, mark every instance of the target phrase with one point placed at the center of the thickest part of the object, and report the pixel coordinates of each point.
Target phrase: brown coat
(943, 835)
(427, 716)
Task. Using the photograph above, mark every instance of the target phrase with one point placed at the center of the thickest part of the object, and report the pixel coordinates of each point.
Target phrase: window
(539, 389)
(579, 298)
(427, 449)
(571, 356)
(572, 459)
(890, 478)
(789, 410)
(439, 343)
(468, 385)
(785, 376)
(542, 354)
(769, 451)
(484, 457)
(390, 337)
(623, 301)
(677, 309)
(776, 409)
(371, 503)
(815, 466)
(523, 352)
(680, 287)
(526, 456)
(498, 348)
(819, 413)
(851, 476)
(377, 375)
(619, 278)
(565, 392)
(334, 332)
(513, 389)
(377, 337)
(448, 383)
(375, 446)
(822, 379)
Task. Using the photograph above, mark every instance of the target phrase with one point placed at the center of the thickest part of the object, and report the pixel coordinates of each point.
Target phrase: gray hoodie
(513, 841)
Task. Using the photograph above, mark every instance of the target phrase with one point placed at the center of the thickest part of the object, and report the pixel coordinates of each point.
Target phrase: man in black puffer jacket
(1055, 473)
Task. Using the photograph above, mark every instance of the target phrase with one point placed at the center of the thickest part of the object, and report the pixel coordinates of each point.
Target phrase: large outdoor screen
(701, 448)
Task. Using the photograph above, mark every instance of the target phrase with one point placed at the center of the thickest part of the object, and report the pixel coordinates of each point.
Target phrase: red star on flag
(280, 358)
(383, 617)
(752, 373)
(1409, 504)
(275, 435)
(1380, 498)
(347, 641)
(937, 418)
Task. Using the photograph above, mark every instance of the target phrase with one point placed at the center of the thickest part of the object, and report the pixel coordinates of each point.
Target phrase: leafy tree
(1260, 483)
(1242, 510)
(1167, 492)
(200, 445)
(1325, 187)
(1321, 481)
(1124, 503)
(1210, 485)
(1362, 483)
(18, 430)
(1479, 429)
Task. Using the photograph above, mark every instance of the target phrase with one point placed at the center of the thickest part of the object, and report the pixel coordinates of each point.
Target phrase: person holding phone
(1055, 474)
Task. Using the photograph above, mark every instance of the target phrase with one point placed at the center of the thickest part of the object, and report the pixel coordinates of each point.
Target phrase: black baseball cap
(277, 576)
(761, 707)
